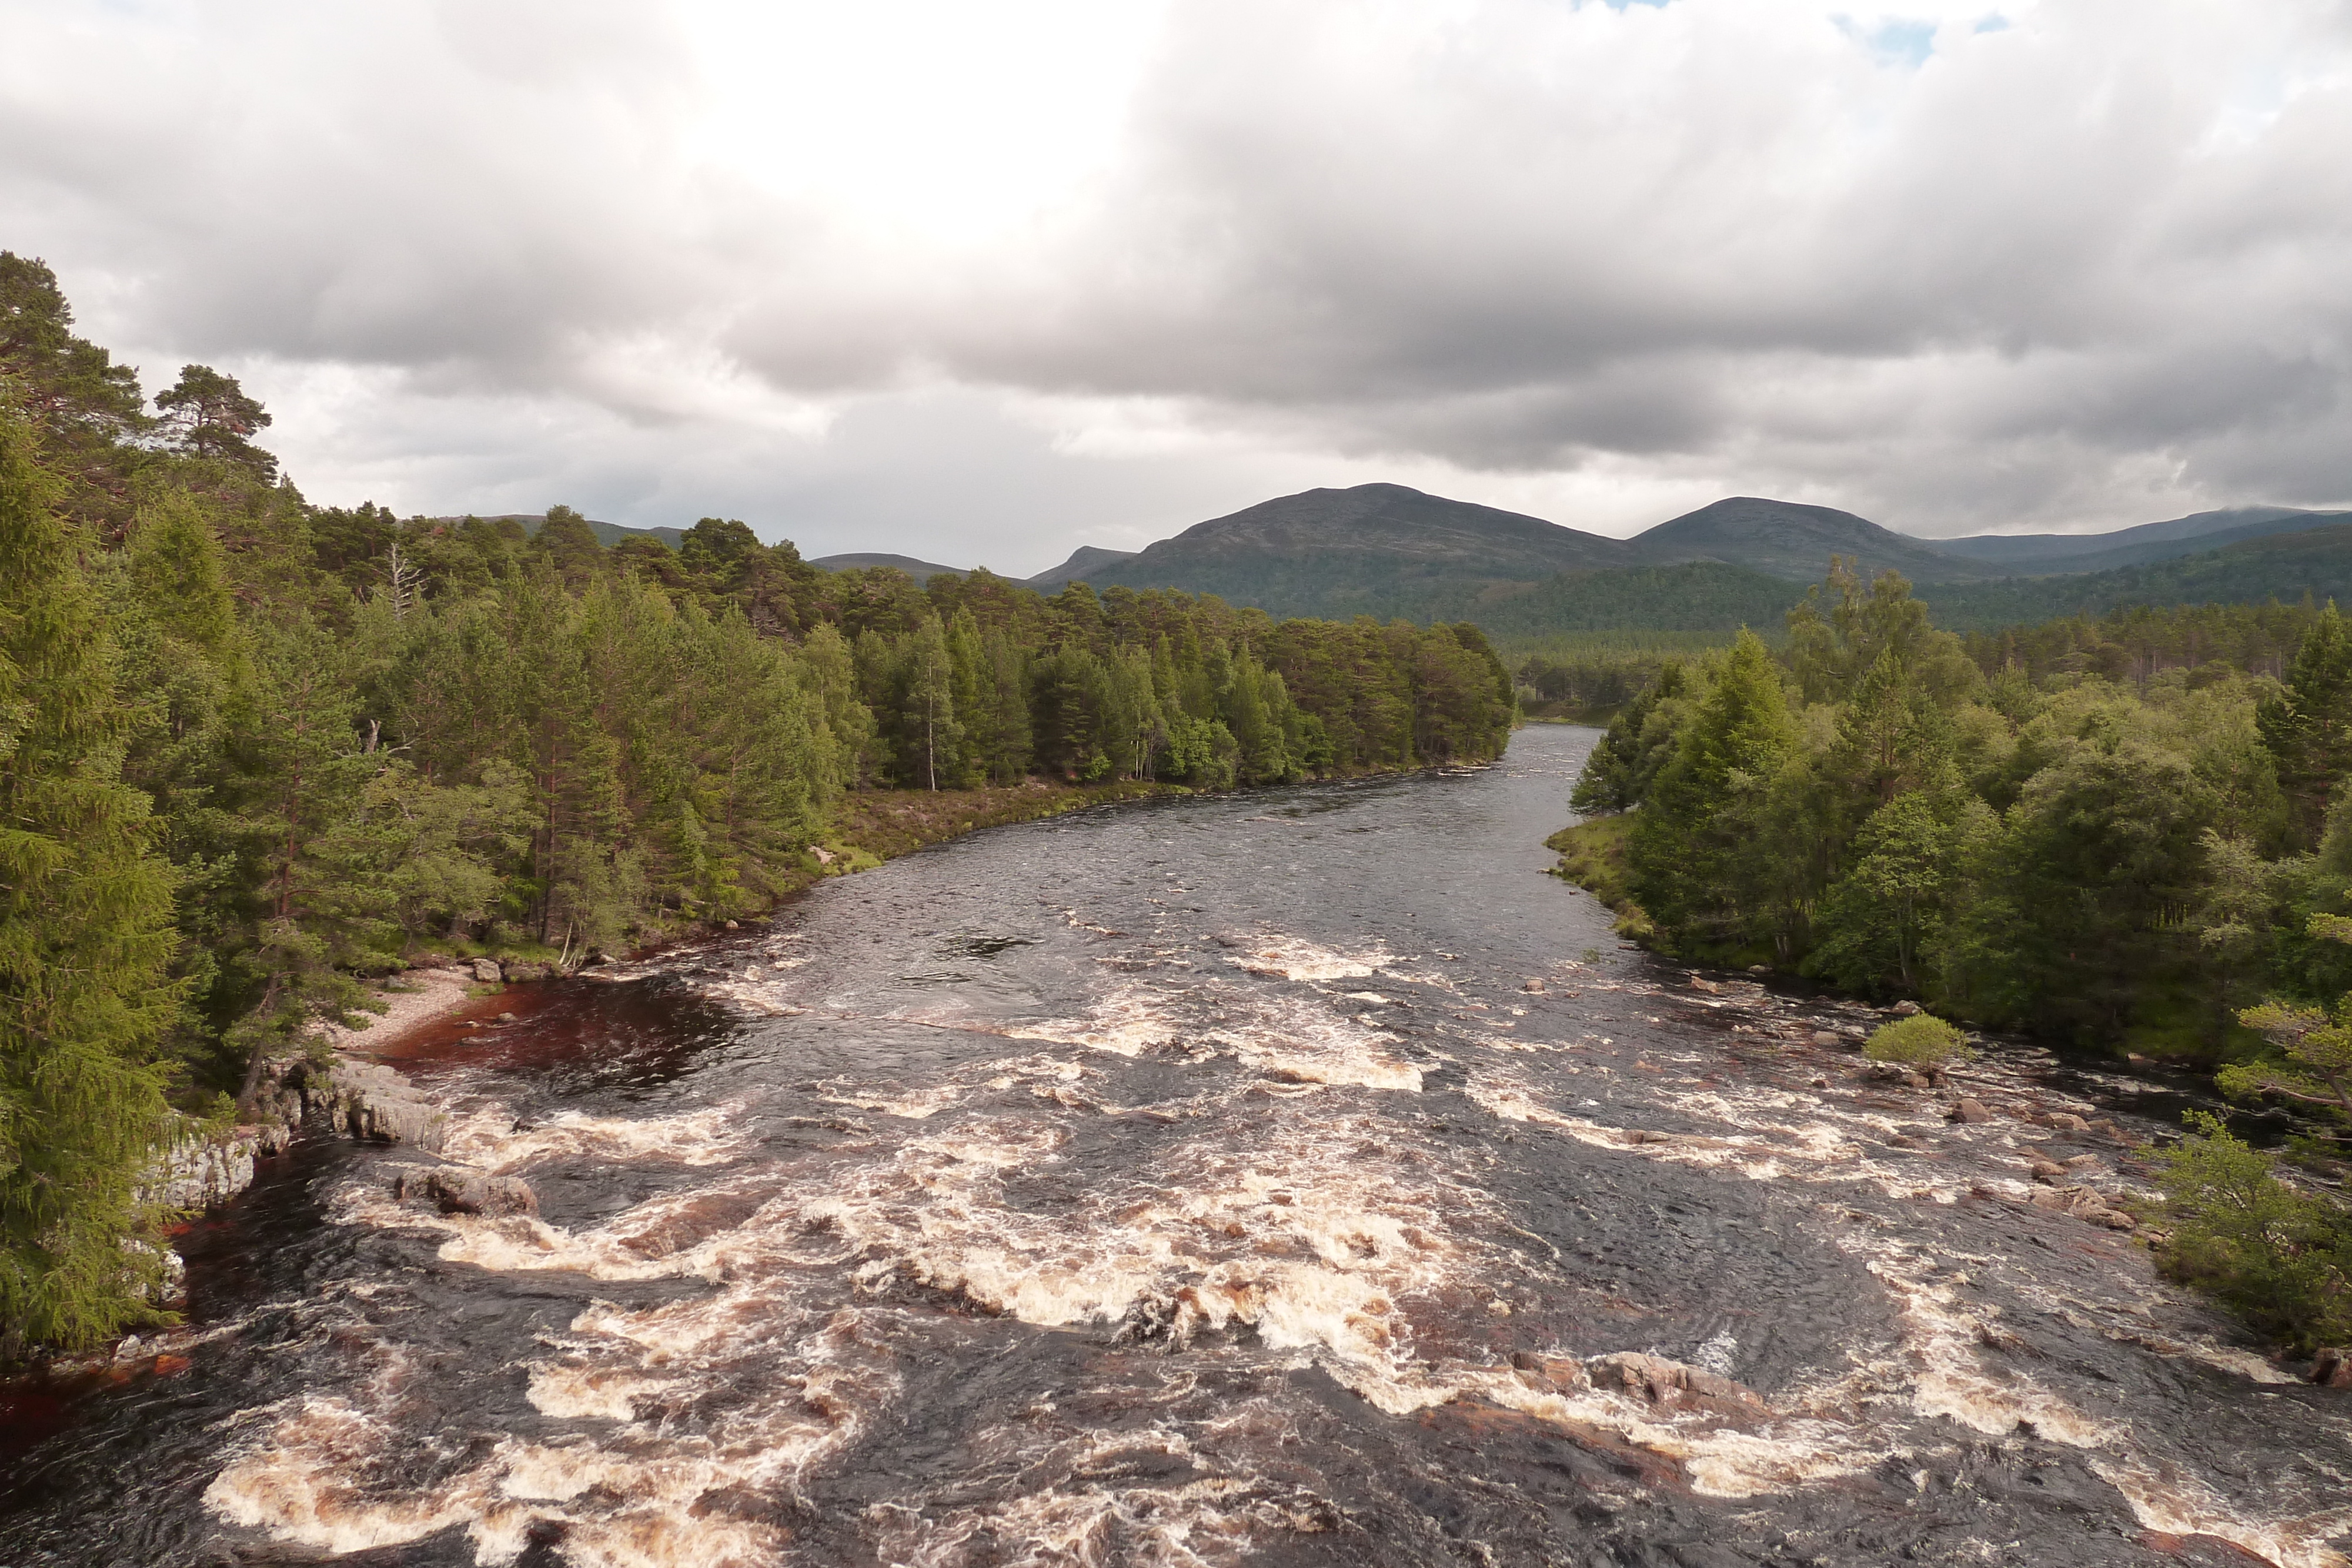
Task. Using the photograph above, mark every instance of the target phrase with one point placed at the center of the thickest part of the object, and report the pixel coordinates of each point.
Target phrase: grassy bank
(1592, 856)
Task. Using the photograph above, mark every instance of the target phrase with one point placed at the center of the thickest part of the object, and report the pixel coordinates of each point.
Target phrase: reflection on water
(1297, 1177)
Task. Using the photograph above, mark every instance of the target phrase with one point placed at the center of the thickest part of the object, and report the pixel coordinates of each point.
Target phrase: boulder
(454, 1189)
(199, 1171)
(1971, 1111)
(1533, 986)
(1904, 1009)
(2082, 1203)
(2045, 1170)
(2332, 1368)
(1661, 1381)
(517, 971)
(1825, 1039)
(373, 1104)
(485, 971)
(2066, 1121)
(1550, 1373)
(1760, 969)
(1702, 984)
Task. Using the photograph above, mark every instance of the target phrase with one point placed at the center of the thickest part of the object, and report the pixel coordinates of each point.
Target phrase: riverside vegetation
(253, 749)
(2131, 834)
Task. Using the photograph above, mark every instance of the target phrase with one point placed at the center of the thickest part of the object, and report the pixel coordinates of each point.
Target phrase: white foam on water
(1212, 1518)
(1296, 959)
(638, 1494)
(1315, 1255)
(914, 1107)
(307, 1484)
(487, 1137)
(2164, 1497)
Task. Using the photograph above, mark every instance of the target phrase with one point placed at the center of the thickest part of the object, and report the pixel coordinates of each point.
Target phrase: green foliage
(2110, 860)
(2277, 1255)
(1922, 1040)
(2308, 726)
(209, 415)
(85, 941)
(1702, 865)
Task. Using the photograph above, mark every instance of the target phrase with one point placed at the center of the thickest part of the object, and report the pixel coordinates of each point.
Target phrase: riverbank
(1592, 857)
(340, 1079)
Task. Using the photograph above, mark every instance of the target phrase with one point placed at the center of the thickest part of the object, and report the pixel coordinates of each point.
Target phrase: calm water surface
(1176, 1184)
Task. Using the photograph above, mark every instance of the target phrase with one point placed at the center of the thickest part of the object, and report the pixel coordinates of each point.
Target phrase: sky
(980, 282)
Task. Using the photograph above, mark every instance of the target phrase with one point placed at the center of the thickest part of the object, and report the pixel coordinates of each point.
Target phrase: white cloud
(985, 282)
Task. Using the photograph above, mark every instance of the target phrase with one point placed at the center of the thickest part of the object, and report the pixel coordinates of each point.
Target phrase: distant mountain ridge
(1389, 550)
(2039, 554)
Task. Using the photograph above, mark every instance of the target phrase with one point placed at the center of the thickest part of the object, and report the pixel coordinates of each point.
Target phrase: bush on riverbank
(2280, 1256)
(1922, 1040)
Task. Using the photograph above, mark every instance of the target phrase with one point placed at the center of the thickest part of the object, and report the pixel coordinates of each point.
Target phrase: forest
(2126, 833)
(253, 749)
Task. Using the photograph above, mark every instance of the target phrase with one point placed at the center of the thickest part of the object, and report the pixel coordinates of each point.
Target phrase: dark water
(1174, 1185)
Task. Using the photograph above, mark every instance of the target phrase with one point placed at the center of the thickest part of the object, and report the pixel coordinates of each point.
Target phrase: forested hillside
(252, 748)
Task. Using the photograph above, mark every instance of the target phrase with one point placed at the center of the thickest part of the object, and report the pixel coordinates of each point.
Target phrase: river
(1201, 1181)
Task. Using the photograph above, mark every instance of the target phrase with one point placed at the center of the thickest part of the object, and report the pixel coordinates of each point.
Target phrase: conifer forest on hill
(252, 748)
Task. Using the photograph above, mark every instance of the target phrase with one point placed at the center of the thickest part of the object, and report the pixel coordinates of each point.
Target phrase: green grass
(1592, 856)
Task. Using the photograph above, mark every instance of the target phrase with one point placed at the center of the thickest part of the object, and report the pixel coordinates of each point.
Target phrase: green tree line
(252, 748)
(2052, 828)
(2130, 831)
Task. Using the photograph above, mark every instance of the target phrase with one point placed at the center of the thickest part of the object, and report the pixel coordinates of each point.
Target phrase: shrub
(2277, 1255)
(1920, 1041)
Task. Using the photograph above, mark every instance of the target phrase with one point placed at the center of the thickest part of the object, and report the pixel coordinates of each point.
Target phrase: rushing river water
(1177, 1184)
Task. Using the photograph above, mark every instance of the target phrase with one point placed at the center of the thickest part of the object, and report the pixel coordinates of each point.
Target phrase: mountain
(1083, 561)
(921, 571)
(2040, 554)
(1793, 541)
(2285, 566)
(1376, 550)
(1710, 595)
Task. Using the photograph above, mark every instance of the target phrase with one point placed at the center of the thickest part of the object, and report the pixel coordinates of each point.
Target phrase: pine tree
(211, 416)
(85, 940)
(2308, 726)
(1696, 850)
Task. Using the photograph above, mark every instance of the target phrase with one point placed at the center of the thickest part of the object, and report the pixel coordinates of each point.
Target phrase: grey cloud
(1720, 241)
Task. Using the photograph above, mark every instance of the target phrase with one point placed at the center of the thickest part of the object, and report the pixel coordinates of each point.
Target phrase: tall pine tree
(85, 939)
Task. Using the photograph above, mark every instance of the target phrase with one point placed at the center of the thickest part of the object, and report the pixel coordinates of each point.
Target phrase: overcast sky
(979, 282)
